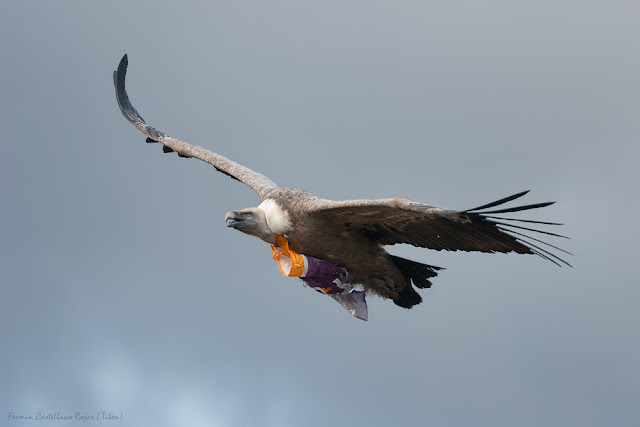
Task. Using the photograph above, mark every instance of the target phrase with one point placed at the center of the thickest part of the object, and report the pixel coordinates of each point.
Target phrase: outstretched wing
(258, 182)
(391, 221)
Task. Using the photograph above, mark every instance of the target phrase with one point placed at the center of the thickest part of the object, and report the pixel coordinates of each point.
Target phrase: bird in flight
(352, 233)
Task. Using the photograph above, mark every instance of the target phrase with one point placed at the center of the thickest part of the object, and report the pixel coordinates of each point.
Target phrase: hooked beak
(232, 218)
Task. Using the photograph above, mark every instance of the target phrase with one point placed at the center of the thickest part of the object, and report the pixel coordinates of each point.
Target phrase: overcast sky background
(123, 291)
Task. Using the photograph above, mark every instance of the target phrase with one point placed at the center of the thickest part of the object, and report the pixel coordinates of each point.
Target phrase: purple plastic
(335, 281)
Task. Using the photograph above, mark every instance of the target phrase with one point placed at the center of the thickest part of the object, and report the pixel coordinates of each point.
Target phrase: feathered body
(343, 244)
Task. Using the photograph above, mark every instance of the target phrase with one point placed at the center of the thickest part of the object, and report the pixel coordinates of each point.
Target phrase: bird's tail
(417, 273)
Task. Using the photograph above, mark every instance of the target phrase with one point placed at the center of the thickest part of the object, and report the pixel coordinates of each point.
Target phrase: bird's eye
(249, 214)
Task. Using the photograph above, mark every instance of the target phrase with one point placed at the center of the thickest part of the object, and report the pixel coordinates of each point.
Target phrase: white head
(251, 221)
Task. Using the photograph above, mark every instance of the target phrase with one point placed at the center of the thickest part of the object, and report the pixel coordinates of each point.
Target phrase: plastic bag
(323, 276)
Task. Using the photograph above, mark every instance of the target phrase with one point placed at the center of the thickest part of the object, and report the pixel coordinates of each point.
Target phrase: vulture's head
(251, 221)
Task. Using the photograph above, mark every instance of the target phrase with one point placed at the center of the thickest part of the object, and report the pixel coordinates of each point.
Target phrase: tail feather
(417, 273)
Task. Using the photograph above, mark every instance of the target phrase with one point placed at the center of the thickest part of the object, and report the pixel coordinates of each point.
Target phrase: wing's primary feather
(258, 182)
(499, 202)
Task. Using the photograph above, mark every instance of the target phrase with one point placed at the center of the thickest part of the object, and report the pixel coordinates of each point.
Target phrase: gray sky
(123, 291)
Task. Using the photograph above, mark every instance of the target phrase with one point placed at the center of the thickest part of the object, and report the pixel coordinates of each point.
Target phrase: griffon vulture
(352, 233)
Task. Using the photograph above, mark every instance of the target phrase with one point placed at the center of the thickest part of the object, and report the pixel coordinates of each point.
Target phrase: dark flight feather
(498, 202)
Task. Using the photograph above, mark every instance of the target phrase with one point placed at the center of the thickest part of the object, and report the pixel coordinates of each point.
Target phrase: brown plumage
(352, 233)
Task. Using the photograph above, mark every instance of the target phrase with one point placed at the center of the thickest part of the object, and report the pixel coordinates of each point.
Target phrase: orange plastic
(297, 261)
